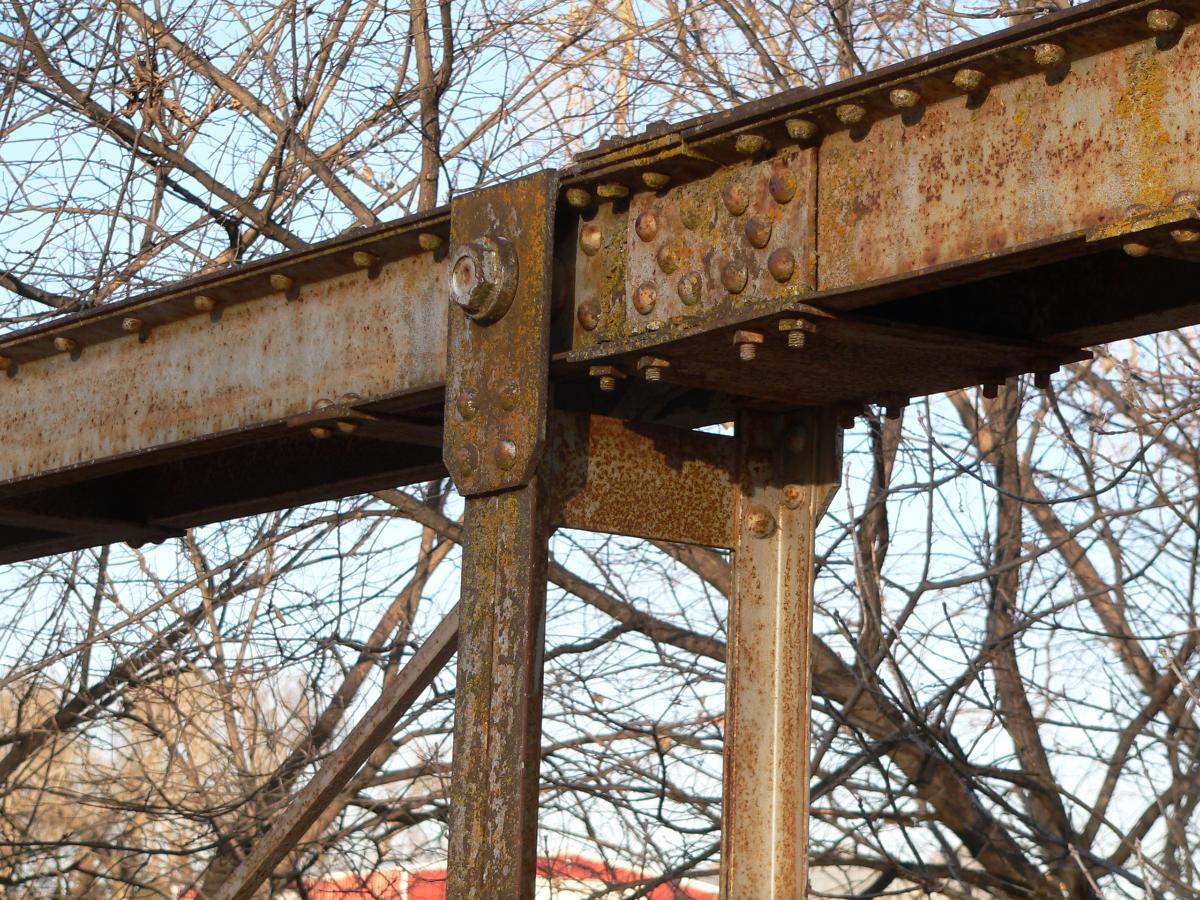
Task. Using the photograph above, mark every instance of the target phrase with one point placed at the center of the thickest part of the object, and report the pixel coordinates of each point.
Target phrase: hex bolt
(690, 288)
(968, 80)
(66, 345)
(504, 454)
(578, 198)
(904, 98)
(646, 225)
(736, 199)
(320, 432)
(656, 181)
(203, 303)
(483, 278)
(781, 264)
(364, 259)
(608, 375)
(747, 343)
(734, 276)
(612, 190)
(651, 367)
(782, 185)
(645, 297)
(467, 404)
(758, 231)
(793, 496)
(668, 258)
(1049, 55)
(803, 130)
(590, 238)
(428, 241)
(1163, 21)
(850, 113)
(797, 331)
(752, 144)
(759, 521)
(587, 315)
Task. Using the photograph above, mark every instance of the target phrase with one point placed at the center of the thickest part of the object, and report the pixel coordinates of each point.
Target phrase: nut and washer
(483, 278)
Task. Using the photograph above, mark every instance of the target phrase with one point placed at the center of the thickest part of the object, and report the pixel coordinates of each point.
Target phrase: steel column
(787, 472)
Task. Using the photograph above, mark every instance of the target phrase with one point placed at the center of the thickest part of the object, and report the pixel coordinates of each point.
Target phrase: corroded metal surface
(665, 484)
(496, 379)
(788, 471)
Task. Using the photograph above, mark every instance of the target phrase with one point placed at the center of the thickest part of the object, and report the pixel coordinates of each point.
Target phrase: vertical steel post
(497, 391)
(788, 468)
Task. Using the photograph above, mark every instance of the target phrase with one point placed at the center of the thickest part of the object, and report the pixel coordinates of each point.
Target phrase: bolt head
(759, 522)
(1163, 21)
(590, 238)
(781, 264)
(588, 315)
(782, 186)
(690, 288)
(483, 278)
(645, 298)
(504, 454)
(646, 225)
(758, 231)
(734, 276)
(608, 384)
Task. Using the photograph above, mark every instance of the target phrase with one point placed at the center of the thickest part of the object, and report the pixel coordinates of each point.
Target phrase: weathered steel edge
(252, 279)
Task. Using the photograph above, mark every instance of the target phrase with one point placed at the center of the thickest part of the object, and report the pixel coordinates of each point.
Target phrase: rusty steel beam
(788, 471)
(336, 770)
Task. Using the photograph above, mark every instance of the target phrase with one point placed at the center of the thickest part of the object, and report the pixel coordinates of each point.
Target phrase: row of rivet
(1183, 234)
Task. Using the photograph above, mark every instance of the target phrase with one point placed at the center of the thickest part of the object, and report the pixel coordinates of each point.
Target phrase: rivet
(350, 399)
(752, 144)
(990, 391)
(366, 260)
(645, 297)
(758, 231)
(1136, 250)
(651, 367)
(781, 264)
(1049, 55)
(323, 403)
(690, 287)
(284, 283)
(608, 376)
(347, 426)
(468, 458)
(646, 225)
(203, 303)
(1041, 380)
(968, 80)
(668, 258)
(504, 454)
(850, 113)
(802, 129)
(467, 404)
(1185, 235)
(66, 344)
(795, 439)
(782, 185)
(587, 315)
(760, 522)
(734, 276)
(656, 181)
(320, 432)
(894, 409)
(797, 331)
(903, 98)
(613, 190)
(760, 466)
(1163, 21)
(428, 241)
(578, 198)
(1186, 198)
(508, 395)
(747, 343)
(793, 496)
(590, 238)
(736, 199)
(846, 417)
(132, 325)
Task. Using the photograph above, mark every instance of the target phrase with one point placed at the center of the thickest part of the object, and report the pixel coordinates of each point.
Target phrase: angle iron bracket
(498, 340)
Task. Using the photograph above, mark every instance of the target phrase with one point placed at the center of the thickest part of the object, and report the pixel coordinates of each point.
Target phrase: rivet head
(468, 459)
(66, 344)
(759, 522)
(614, 190)
(504, 454)
(850, 113)
(590, 238)
(508, 395)
(781, 264)
(1163, 21)
(1185, 235)
(690, 288)
(578, 198)
(734, 276)
(1049, 55)
(968, 80)
(1136, 250)
(795, 439)
(428, 241)
(758, 231)
(904, 98)
(782, 186)
(793, 496)
(281, 282)
(364, 259)
(656, 181)
(668, 258)
(132, 325)
(751, 144)
(803, 130)
(1186, 198)
(467, 404)
(645, 297)
(646, 225)
(588, 315)
(203, 303)
(320, 432)
(736, 199)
